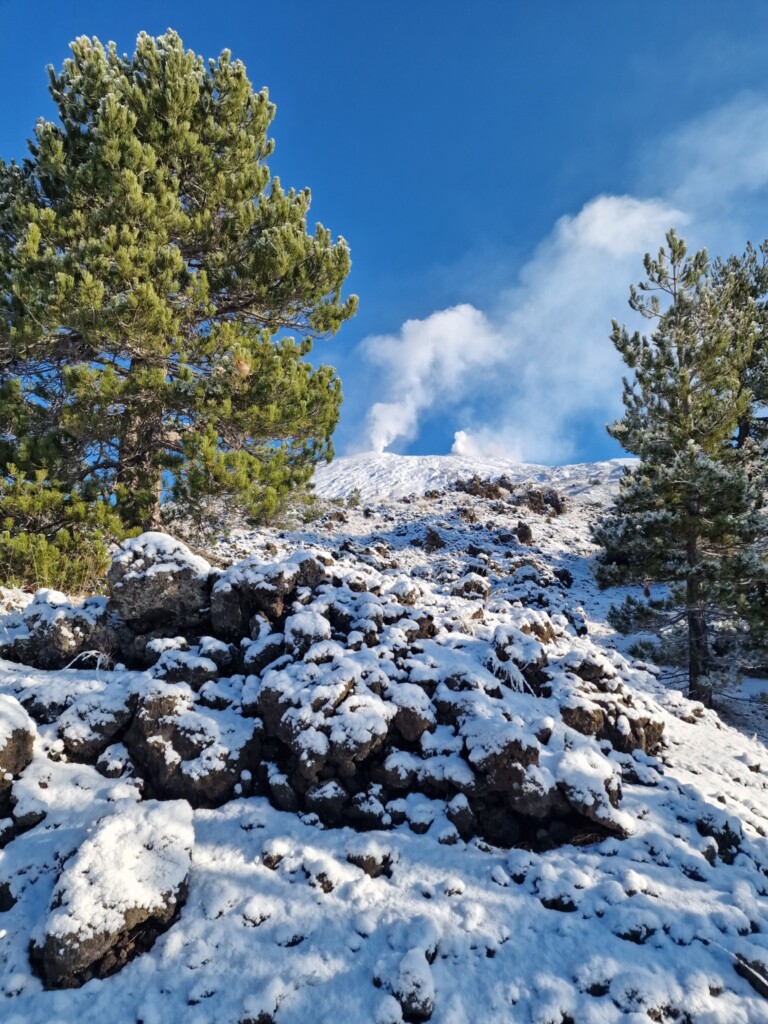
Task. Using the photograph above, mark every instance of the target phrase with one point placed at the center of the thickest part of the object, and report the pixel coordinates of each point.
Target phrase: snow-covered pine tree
(150, 272)
(691, 514)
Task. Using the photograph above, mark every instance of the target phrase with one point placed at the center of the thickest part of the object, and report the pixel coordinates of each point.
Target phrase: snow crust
(153, 552)
(253, 571)
(135, 858)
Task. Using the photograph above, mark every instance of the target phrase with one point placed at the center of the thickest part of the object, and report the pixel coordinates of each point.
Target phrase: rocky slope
(387, 767)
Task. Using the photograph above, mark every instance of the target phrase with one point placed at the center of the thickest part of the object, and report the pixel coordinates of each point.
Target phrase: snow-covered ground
(282, 925)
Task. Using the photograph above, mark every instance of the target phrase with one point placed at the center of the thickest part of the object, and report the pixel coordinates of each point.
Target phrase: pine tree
(690, 515)
(152, 276)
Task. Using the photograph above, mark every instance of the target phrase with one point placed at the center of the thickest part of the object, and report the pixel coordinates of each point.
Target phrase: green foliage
(151, 271)
(52, 539)
(71, 562)
(355, 498)
(300, 508)
(748, 277)
(638, 616)
(691, 514)
(660, 617)
(670, 649)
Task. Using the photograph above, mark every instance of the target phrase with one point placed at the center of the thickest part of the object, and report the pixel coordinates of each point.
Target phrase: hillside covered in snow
(389, 766)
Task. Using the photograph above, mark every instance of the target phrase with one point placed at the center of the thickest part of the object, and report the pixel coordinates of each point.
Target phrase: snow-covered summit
(385, 475)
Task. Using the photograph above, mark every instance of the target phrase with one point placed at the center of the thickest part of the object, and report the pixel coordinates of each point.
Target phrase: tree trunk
(698, 648)
(698, 653)
(141, 444)
(698, 645)
(139, 473)
(742, 433)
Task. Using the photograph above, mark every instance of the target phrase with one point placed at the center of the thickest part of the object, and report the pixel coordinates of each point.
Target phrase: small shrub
(49, 538)
(76, 565)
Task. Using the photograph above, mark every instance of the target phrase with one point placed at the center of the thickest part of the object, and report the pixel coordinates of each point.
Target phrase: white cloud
(522, 381)
(719, 156)
(486, 443)
(429, 363)
(555, 324)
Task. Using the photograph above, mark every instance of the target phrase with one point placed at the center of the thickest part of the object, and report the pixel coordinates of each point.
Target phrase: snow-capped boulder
(253, 587)
(414, 987)
(94, 721)
(405, 591)
(371, 856)
(17, 737)
(114, 762)
(261, 653)
(223, 655)
(190, 667)
(471, 585)
(366, 810)
(594, 701)
(592, 785)
(51, 631)
(156, 581)
(409, 981)
(500, 751)
(282, 793)
(303, 630)
(328, 801)
(124, 886)
(186, 751)
(414, 715)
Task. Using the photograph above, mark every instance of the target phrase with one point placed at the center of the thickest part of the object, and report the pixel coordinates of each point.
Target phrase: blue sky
(498, 168)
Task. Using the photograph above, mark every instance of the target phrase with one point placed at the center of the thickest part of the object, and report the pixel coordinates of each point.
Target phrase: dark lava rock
(253, 587)
(95, 721)
(17, 737)
(524, 533)
(433, 541)
(55, 632)
(189, 752)
(155, 580)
